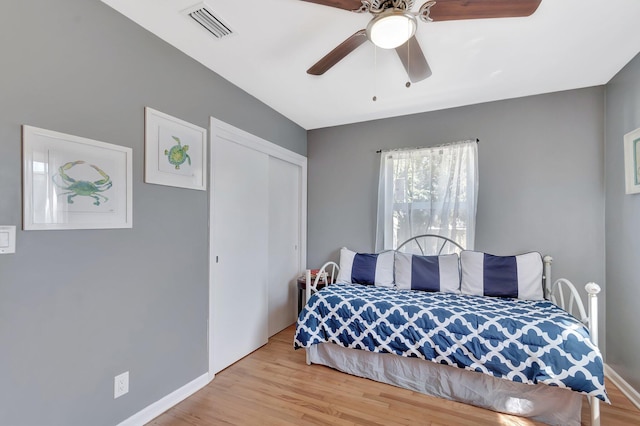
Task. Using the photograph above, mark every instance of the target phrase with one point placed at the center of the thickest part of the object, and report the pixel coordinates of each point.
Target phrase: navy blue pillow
(427, 273)
(517, 276)
(366, 268)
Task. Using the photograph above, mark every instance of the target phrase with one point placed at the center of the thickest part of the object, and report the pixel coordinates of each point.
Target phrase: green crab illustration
(82, 188)
(177, 155)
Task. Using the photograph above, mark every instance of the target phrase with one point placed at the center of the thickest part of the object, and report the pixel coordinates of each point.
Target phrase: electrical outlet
(121, 384)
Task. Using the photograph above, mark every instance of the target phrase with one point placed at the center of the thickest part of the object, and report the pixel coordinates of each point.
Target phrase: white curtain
(428, 191)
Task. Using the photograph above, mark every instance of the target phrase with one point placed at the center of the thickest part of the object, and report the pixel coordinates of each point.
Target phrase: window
(428, 191)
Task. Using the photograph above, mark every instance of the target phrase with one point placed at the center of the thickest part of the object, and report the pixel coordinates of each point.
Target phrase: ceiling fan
(394, 25)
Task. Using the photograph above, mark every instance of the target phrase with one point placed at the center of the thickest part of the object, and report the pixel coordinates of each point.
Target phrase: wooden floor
(274, 386)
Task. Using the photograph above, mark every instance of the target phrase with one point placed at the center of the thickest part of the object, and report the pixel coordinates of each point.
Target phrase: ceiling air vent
(203, 15)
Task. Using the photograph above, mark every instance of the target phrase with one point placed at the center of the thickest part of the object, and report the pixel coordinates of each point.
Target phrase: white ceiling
(565, 44)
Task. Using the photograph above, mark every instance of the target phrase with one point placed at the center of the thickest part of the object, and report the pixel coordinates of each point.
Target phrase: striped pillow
(365, 268)
(427, 273)
(502, 276)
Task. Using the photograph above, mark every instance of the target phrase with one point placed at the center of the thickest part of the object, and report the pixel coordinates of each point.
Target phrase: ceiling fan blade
(450, 10)
(340, 4)
(336, 55)
(413, 60)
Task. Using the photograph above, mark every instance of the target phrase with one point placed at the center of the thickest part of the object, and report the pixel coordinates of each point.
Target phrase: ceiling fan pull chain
(408, 83)
(375, 72)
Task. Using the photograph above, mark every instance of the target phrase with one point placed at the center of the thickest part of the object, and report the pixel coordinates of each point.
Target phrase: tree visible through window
(428, 191)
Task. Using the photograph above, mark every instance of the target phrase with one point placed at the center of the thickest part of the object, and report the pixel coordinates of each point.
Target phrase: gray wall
(79, 307)
(540, 170)
(622, 228)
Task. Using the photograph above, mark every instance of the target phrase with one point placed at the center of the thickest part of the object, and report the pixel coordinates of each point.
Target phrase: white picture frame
(71, 182)
(632, 162)
(175, 151)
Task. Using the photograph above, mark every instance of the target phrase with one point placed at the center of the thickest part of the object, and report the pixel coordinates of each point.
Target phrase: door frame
(220, 130)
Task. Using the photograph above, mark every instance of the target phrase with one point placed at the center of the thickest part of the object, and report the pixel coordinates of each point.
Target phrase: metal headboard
(443, 245)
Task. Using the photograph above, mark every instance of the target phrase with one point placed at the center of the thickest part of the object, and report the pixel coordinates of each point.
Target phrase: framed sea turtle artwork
(72, 182)
(175, 151)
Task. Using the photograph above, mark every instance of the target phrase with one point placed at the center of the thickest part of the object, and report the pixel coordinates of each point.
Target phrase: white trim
(220, 130)
(625, 388)
(154, 410)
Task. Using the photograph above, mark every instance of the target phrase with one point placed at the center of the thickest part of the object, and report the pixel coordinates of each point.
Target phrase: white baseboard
(154, 410)
(625, 387)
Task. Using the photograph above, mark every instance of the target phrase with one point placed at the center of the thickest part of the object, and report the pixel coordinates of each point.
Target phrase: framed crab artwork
(71, 182)
(175, 151)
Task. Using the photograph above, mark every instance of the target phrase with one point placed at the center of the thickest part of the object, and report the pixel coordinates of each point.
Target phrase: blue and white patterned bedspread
(520, 340)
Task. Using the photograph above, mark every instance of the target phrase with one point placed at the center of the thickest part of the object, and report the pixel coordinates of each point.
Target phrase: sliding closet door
(239, 251)
(284, 242)
(257, 241)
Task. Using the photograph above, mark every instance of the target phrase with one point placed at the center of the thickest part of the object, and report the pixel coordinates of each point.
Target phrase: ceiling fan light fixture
(391, 28)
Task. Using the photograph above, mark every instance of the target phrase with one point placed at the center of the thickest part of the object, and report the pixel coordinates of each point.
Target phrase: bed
(524, 355)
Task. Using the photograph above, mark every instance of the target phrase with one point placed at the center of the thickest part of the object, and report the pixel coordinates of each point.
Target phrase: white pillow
(502, 276)
(427, 273)
(366, 268)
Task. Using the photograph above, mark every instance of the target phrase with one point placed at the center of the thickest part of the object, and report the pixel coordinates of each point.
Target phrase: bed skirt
(548, 404)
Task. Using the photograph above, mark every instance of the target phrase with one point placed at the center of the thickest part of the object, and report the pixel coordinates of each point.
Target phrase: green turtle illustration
(177, 155)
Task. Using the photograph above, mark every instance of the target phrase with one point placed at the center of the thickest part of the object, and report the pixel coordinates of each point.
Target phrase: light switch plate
(7, 239)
